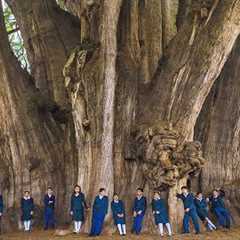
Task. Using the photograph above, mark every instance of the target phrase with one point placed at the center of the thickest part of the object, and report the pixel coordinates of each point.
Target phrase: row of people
(195, 207)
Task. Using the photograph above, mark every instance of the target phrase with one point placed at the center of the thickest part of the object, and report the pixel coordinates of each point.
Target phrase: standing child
(100, 209)
(27, 207)
(139, 209)
(189, 210)
(77, 208)
(160, 213)
(202, 211)
(49, 205)
(219, 209)
(118, 212)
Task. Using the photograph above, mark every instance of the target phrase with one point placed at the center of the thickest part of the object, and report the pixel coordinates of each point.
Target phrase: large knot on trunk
(163, 157)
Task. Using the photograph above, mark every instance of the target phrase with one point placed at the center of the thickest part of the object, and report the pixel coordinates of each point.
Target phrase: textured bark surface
(218, 129)
(113, 97)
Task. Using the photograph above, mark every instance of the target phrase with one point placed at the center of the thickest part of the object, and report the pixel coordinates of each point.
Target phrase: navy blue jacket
(217, 202)
(188, 201)
(1, 204)
(100, 206)
(27, 206)
(49, 202)
(140, 204)
(160, 207)
(202, 208)
(77, 206)
(118, 208)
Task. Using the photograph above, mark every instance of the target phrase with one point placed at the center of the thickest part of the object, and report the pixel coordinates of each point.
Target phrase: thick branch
(190, 71)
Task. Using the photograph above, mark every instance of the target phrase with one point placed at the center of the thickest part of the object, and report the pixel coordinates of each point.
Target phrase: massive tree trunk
(218, 129)
(113, 96)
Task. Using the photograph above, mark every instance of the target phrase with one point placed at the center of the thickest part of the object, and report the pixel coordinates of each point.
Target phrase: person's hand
(157, 212)
(207, 199)
(0, 214)
(154, 212)
(31, 212)
(187, 210)
(139, 212)
(134, 214)
(71, 213)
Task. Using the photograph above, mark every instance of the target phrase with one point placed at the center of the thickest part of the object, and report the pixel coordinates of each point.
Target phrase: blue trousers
(97, 224)
(223, 217)
(49, 220)
(137, 223)
(192, 214)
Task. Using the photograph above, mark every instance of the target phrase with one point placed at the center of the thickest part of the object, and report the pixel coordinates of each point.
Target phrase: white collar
(26, 198)
(100, 196)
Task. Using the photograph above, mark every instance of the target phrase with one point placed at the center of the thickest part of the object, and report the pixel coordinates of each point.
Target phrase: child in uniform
(160, 213)
(77, 208)
(27, 207)
(139, 209)
(100, 209)
(189, 210)
(118, 212)
(49, 205)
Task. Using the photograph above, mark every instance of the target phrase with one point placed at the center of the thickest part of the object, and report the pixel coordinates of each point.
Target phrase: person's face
(200, 195)
(26, 194)
(215, 193)
(156, 195)
(77, 189)
(103, 193)
(184, 191)
(139, 193)
(115, 198)
(50, 191)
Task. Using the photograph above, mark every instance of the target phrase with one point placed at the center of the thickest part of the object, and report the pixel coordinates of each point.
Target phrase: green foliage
(15, 38)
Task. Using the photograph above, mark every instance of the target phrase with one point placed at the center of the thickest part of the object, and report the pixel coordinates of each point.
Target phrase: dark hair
(157, 192)
(184, 187)
(27, 192)
(115, 194)
(101, 189)
(140, 189)
(49, 188)
(199, 193)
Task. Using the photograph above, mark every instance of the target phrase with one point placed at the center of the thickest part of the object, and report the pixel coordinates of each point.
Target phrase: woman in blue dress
(160, 213)
(27, 207)
(202, 211)
(78, 203)
(118, 211)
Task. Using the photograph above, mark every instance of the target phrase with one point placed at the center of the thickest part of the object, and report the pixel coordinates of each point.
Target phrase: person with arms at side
(118, 211)
(139, 209)
(27, 207)
(49, 206)
(189, 210)
(78, 203)
(160, 213)
(100, 209)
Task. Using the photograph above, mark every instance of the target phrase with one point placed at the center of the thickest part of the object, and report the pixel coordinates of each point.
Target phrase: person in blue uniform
(189, 210)
(219, 209)
(27, 207)
(1, 210)
(139, 209)
(118, 212)
(49, 206)
(78, 203)
(160, 213)
(202, 211)
(100, 209)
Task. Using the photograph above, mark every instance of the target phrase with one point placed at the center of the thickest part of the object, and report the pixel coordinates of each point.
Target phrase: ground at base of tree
(233, 234)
